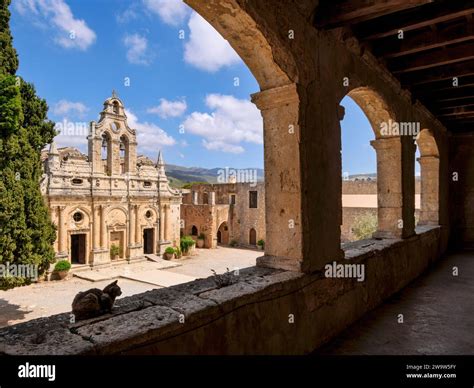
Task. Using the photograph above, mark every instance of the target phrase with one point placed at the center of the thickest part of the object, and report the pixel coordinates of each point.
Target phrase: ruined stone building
(109, 197)
(225, 213)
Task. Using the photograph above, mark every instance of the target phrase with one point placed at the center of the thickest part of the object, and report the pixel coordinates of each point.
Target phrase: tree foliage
(26, 231)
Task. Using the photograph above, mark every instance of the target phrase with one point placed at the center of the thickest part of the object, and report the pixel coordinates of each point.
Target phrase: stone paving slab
(159, 278)
(124, 271)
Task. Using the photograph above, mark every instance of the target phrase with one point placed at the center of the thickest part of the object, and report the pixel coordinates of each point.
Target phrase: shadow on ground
(11, 312)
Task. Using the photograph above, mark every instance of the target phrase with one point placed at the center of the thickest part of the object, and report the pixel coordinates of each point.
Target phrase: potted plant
(200, 240)
(186, 244)
(178, 252)
(114, 251)
(62, 268)
(169, 253)
(261, 244)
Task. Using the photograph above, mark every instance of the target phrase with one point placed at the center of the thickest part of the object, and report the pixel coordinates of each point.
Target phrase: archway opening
(359, 172)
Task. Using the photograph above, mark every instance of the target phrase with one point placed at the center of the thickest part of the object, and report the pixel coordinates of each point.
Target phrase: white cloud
(169, 108)
(172, 12)
(232, 122)
(65, 108)
(137, 46)
(126, 16)
(207, 49)
(70, 32)
(150, 137)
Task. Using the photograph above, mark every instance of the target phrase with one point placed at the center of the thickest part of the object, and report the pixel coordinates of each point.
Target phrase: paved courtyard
(48, 298)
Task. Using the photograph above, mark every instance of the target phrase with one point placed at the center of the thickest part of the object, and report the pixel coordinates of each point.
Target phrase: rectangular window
(253, 199)
(232, 199)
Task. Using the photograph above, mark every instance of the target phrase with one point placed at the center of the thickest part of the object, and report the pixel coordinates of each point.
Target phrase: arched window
(194, 231)
(205, 199)
(124, 165)
(115, 107)
(106, 153)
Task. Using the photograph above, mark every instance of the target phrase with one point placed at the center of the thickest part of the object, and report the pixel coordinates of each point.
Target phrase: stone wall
(239, 217)
(367, 187)
(461, 183)
(266, 311)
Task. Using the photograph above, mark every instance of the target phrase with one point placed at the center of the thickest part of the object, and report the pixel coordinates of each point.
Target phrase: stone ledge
(152, 322)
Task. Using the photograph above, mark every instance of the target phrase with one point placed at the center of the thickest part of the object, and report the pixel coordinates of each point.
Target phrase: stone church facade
(111, 204)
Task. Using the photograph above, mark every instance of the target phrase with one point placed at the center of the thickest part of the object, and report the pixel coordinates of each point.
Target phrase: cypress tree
(26, 231)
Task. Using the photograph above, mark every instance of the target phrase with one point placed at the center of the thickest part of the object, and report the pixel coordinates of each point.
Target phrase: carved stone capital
(276, 97)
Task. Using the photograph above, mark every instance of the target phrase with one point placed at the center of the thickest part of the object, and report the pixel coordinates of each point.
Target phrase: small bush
(170, 250)
(233, 243)
(62, 265)
(365, 226)
(9, 282)
(186, 243)
(115, 250)
(261, 243)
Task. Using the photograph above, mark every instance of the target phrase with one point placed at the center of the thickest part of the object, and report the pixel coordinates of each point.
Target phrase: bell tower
(112, 143)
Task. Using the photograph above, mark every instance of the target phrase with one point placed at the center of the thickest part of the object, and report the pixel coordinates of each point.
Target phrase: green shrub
(261, 243)
(365, 226)
(186, 243)
(115, 250)
(233, 243)
(178, 252)
(170, 250)
(62, 265)
(9, 282)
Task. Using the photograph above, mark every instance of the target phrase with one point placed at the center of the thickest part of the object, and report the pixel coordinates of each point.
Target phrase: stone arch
(245, 37)
(429, 167)
(374, 107)
(390, 149)
(223, 233)
(275, 68)
(122, 214)
(194, 230)
(83, 210)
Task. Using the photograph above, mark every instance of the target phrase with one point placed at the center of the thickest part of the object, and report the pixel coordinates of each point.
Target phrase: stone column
(166, 223)
(62, 232)
(212, 198)
(103, 228)
(137, 226)
(280, 112)
(162, 225)
(96, 228)
(395, 186)
(429, 214)
(132, 226)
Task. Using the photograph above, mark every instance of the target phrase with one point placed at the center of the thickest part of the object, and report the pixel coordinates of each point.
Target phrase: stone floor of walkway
(48, 298)
(438, 317)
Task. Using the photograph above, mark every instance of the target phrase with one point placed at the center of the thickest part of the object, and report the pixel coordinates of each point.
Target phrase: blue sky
(77, 51)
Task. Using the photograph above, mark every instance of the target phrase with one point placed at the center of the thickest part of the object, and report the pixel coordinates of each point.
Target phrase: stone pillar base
(100, 256)
(286, 263)
(135, 251)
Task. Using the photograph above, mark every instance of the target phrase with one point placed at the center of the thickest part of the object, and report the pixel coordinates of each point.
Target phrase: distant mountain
(180, 175)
